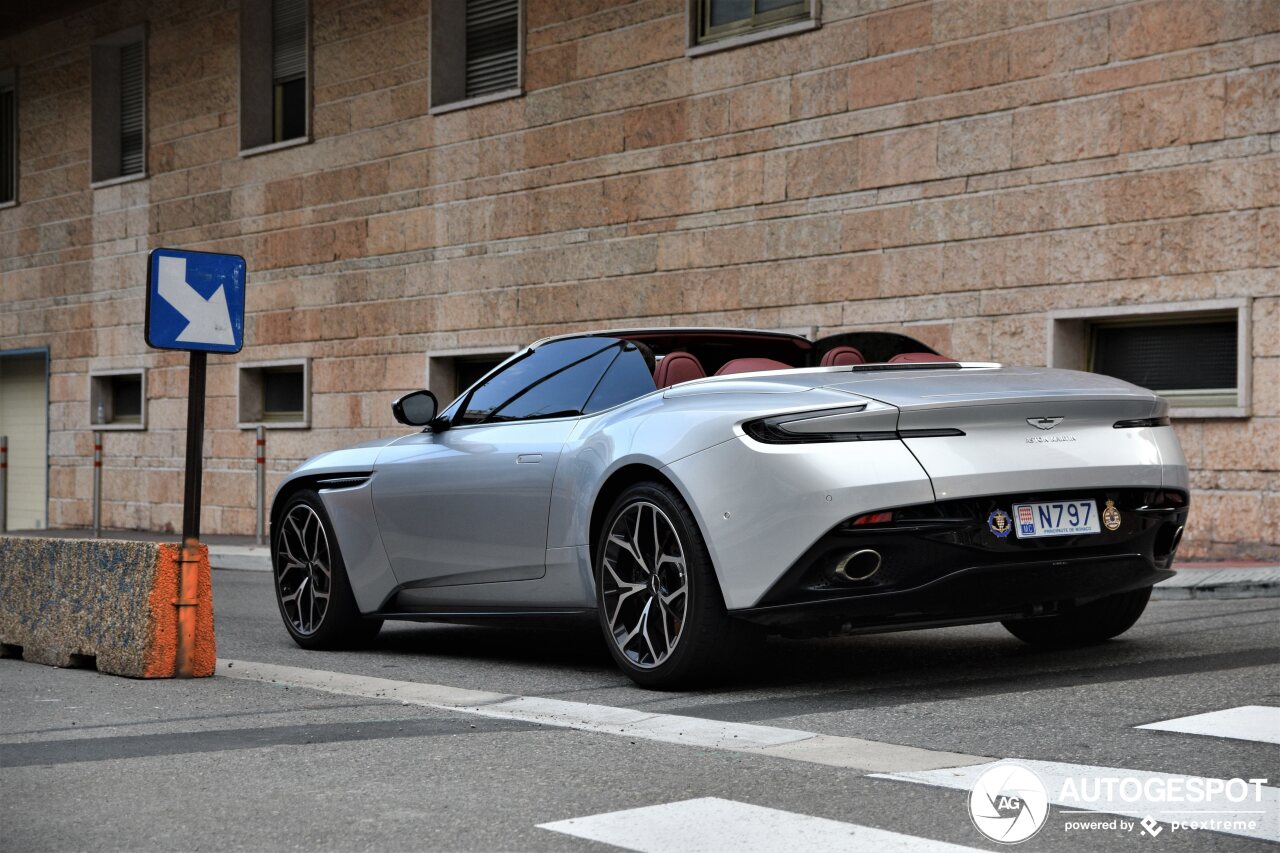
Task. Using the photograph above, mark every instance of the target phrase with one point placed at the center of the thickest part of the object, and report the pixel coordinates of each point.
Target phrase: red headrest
(677, 367)
(914, 357)
(750, 365)
(841, 357)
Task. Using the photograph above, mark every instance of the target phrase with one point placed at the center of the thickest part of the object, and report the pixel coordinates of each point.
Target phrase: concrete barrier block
(101, 602)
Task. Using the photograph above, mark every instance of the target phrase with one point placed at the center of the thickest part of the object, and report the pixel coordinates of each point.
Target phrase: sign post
(195, 303)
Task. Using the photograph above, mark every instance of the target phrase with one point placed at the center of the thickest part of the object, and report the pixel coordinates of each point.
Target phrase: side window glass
(626, 379)
(504, 389)
(565, 393)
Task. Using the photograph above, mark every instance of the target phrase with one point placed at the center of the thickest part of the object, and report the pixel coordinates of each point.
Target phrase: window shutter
(493, 46)
(8, 145)
(132, 155)
(288, 39)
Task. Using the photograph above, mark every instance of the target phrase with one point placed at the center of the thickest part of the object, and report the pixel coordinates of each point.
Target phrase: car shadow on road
(575, 646)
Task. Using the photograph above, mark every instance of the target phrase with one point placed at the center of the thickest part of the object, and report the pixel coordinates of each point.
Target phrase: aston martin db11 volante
(691, 489)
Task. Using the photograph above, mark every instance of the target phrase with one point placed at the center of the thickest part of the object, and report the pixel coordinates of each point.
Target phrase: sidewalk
(225, 552)
(1195, 579)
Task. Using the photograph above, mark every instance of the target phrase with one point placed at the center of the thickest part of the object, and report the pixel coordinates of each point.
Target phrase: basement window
(119, 111)
(274, 69)
(1195, 356)
(476, 52)
(720, 24)
(117, 399)
(451, 373)
(8, 137)
(275, 395)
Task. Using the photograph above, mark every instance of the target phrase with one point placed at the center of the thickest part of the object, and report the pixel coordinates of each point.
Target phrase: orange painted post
(183, 644)
(186, 602)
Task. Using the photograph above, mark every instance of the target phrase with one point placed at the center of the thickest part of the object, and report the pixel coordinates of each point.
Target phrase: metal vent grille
(132, 155)
(1169, 357)
(8, 145)
(288, 39)
(493, 46)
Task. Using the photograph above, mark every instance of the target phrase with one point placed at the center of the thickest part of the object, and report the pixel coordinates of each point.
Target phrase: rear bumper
(941, 565)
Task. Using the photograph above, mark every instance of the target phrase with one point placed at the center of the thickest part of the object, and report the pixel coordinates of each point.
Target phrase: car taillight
(872, 518)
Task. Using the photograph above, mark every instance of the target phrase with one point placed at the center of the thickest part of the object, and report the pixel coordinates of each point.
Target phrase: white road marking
(793, 744)
(1085, 787)
(710, 825)
(1259, 723)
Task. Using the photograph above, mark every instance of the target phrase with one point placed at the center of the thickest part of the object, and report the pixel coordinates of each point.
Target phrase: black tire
(707, 637)
(328, 617)
(1094, 622)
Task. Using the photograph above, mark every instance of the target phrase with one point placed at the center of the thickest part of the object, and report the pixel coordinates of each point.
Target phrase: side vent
(345, 481)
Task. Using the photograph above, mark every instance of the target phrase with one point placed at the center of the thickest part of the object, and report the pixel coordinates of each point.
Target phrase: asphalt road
(89, 761)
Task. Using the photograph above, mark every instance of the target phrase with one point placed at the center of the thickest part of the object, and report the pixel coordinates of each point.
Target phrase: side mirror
(415, 409)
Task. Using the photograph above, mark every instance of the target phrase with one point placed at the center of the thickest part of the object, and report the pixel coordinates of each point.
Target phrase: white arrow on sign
(208, 320)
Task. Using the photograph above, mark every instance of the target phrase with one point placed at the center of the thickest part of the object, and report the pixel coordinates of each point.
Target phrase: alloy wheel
(304, 569)
(645, 584)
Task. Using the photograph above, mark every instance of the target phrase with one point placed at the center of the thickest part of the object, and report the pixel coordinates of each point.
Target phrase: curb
(1210, 583)
(245, 558)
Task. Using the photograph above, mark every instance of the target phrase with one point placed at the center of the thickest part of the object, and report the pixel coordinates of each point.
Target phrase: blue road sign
(195, 301)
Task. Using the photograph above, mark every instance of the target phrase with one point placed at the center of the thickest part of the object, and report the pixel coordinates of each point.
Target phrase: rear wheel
(1092, 623)
(660, 606)
(312, 589)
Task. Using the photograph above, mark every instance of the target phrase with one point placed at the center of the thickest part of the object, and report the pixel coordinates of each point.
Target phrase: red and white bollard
(4, 481)
(97, 485)
(261, 465)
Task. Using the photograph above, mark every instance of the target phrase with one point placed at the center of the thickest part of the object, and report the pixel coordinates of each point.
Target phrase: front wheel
(312, 589)
(1091, 623)
(660, 606)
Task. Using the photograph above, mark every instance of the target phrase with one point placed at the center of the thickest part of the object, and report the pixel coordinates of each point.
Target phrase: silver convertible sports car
(692, 489)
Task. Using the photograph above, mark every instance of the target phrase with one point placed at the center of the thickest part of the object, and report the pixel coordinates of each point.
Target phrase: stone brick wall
(955, 168)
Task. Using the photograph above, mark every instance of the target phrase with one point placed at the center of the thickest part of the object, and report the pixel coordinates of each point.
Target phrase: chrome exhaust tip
(858, 566)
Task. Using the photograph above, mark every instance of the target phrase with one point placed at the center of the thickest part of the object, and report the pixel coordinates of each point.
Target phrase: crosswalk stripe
(1086, 787)
(1259, 723)
(711, 824)
(793, 744)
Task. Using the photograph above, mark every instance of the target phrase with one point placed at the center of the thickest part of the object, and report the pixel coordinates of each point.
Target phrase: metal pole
(4, 481)
(188, 574)
(195, 449)
(97, 484)
(261, 464)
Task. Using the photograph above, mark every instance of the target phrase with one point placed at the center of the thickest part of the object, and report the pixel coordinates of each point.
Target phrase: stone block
(884, 81)
(899, 29)
(823, 169)
(971, 146)
(898, 157)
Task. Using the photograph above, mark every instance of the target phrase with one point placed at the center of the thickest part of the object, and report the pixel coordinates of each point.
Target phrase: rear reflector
(873, 518)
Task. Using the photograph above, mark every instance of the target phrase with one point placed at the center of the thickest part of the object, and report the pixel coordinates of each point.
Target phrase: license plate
(1058, 518)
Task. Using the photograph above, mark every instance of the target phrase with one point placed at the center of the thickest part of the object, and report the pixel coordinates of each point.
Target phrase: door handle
(528, 458)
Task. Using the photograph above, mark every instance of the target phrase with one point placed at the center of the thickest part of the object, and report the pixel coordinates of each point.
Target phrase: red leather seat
(917, 357)
(750, 365)
(842, 357)
(677, 367)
